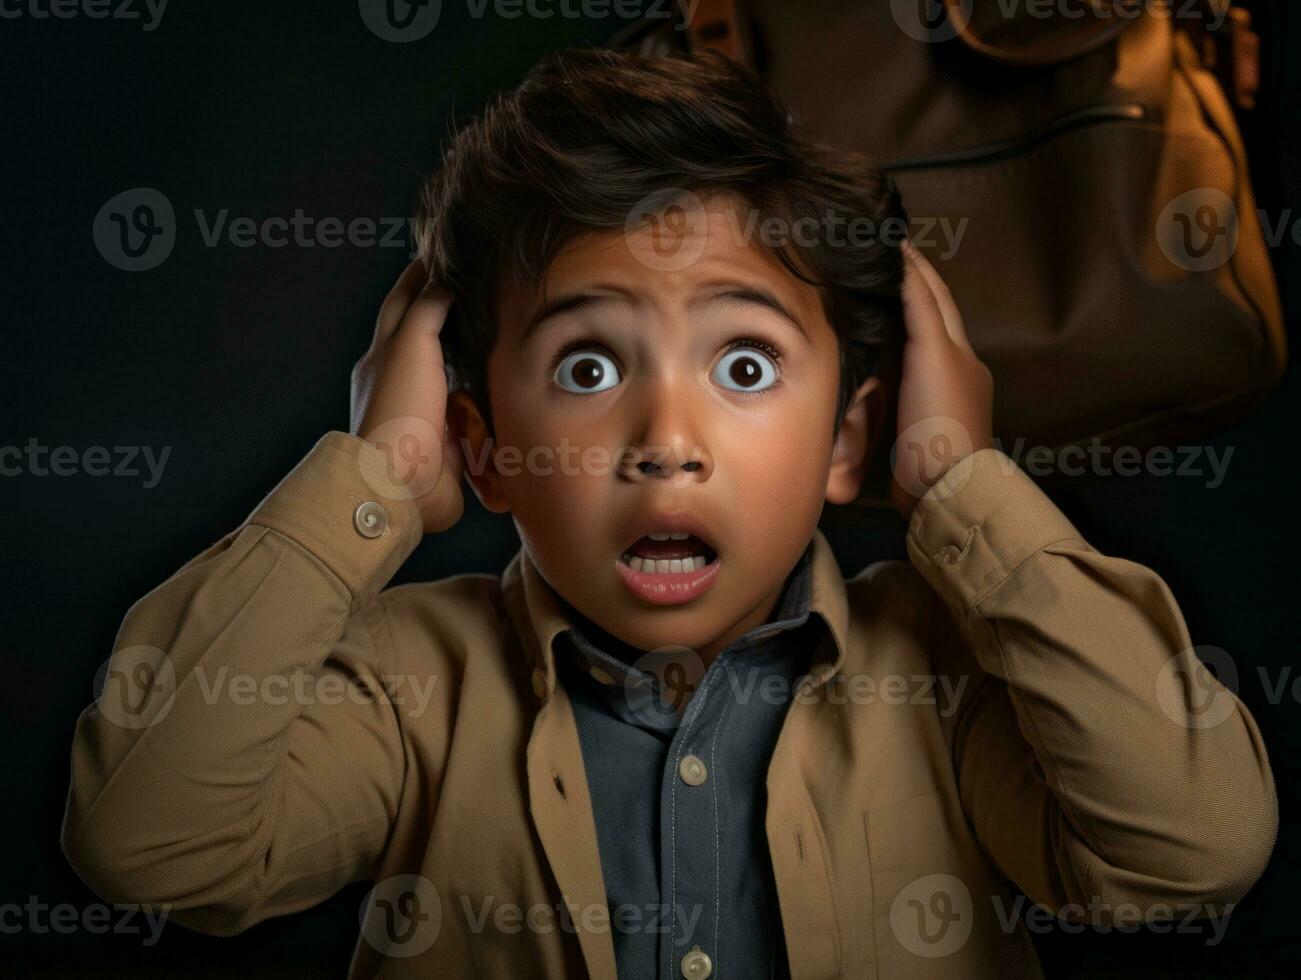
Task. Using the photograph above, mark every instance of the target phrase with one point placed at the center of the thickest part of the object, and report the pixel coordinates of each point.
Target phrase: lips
(672, 562)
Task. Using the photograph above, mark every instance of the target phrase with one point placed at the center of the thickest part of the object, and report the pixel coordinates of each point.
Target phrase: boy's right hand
(399, 402)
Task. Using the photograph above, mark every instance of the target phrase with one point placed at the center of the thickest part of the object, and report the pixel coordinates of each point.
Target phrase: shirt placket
(692, 824)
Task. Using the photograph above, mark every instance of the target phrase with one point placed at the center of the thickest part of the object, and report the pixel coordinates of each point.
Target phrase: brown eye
(585, 372)
(588, 372)
(745, 369)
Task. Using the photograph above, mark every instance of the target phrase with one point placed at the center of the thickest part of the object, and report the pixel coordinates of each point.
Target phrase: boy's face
(653, 400)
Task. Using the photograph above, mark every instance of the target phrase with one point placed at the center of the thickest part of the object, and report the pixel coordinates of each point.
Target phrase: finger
(949, 313)
(399, 300)
(428, 311)
(923, 318)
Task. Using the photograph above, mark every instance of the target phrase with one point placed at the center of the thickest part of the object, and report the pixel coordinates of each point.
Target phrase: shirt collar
(815, 588)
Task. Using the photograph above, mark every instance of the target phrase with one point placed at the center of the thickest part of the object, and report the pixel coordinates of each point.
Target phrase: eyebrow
(598, 295)
(577, 299)
(755, 296)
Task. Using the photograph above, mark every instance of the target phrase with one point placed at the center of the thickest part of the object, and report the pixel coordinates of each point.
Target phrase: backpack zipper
(1122, 112)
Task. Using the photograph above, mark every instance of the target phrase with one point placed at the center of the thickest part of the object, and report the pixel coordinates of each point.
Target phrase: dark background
(238, 359)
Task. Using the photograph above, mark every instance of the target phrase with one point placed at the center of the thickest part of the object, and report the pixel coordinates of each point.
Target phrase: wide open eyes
(745, 369)
(587, 371)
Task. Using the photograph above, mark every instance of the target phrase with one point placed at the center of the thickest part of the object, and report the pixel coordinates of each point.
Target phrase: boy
(671, 739)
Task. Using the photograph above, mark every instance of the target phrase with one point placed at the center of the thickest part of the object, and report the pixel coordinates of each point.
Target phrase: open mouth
(668, 553)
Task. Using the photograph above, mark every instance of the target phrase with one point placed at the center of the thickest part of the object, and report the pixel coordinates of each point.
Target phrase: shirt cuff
(978, 524)
(327, 505)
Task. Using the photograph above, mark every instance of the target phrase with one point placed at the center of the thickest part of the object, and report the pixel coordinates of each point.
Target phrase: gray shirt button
(697, 965)
(370, 519)
(693, 772)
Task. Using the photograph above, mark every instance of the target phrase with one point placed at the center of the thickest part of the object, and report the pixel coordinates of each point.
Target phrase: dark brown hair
(589, 134)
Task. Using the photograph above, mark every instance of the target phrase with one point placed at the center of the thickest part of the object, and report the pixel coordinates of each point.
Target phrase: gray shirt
(679, 791)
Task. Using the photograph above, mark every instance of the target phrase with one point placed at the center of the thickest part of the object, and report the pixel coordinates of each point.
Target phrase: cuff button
(370, 519)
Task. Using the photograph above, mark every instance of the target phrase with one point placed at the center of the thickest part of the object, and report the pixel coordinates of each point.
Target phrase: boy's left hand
(946, 393)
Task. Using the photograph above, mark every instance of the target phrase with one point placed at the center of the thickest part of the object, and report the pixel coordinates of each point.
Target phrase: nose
(654, 467)
(668, 441)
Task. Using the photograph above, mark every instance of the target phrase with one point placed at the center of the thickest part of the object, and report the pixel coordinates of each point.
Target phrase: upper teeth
(669, 536)
(665, 566)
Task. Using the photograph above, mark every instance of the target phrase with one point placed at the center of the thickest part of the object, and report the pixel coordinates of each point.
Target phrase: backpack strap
(1231, 49)
(1098, 33)
(1233, 53)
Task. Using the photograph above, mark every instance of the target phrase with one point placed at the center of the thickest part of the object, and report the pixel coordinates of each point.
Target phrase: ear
(465, 424)
(855, 442)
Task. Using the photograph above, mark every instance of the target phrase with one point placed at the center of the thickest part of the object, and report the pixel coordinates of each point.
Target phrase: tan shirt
(1011, 705)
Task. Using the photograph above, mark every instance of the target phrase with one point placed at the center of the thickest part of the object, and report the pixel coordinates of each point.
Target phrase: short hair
(589, 134)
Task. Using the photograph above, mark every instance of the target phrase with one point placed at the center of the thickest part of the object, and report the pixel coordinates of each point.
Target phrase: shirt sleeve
(242, 760)
(1099, 761)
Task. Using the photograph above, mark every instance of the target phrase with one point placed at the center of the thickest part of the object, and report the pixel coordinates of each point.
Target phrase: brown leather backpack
(1102, 236)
